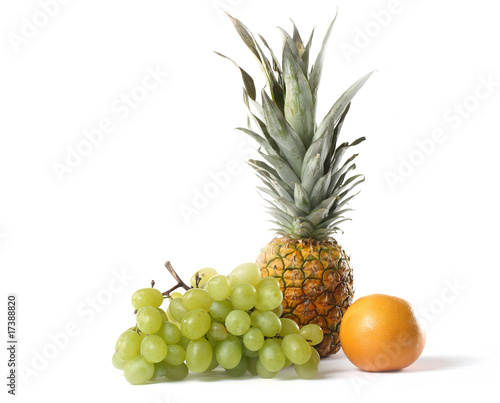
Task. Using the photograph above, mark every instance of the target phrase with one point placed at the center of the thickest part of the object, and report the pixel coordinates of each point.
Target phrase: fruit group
(201, 331)
(380, 333)
(306, 180)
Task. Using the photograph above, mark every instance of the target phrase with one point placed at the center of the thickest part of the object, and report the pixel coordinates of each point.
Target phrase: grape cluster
(231, 322)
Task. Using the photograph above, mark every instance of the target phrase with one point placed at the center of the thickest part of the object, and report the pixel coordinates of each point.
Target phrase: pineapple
(306, 180)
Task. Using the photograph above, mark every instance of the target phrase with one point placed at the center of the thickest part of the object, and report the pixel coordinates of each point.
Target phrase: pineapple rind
(316, 280)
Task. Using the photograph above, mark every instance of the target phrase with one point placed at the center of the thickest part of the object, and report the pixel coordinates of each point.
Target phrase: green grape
(159, 371)
(198, 355)
(217, 331)
(153, 348)
(228, 352)
(248, 353)
(267, 282)
(315, 355)
(252, 365)
(169, 332)
(288, 326)
(175, 355)
(196, 298)
(239, 369)
(245, 273)
(175, 295)
(309, 370)
(262, 371)
(148, 320)
(266, 321)
(278, 311)
(163, 314)
(176, 372)
(287, 363)
(253, 339)
(214, 364)
(117, 363)
(238, 322)
(147, 297)
(128, 345)
(271, 355)
(211, 340)
(170, 317)
(183, 342)
(219, 287)
(177, 309)
(138, 370)
(312, 333)
(268, 298)
(195, 324)
(219, 310)
(201, 277)
(243, 296)
(296, 349)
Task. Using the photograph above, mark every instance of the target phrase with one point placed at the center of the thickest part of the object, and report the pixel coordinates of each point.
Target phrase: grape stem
(179, 284)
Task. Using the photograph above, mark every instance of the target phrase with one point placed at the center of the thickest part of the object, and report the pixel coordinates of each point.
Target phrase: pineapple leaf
(280, 190)
(247, 79)
(289, 142)
(247, 100)
(301, 198)
(276, 62)
(333, 141)
(321, 233)
(344, 202)
(298, 98)
(312, 172)
(292, 208)
(340, 105)
(319, 190)
(260, 140)
(317, 216)
(282, 168)
(283, 227)
(280, 216)
(262, 173)
(246, 36)
(340, 181)
(315, 75)
(321, 147)
(297, 39)
(249, 40)
(307, 49)
(293, 50)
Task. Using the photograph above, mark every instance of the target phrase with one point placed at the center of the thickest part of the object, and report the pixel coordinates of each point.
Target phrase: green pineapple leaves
(298, 98)
(305, 176)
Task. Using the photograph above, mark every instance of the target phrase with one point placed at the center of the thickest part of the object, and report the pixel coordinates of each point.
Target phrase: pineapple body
(316, 280)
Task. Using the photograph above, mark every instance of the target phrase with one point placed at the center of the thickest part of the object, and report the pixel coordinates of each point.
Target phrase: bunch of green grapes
(232, 322)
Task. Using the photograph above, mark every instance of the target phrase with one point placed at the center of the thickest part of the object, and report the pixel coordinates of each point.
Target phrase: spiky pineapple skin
(316, 279)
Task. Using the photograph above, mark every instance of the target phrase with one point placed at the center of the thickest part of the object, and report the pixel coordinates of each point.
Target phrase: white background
(118, 210)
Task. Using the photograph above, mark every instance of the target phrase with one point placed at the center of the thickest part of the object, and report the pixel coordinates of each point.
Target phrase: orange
(381, 333)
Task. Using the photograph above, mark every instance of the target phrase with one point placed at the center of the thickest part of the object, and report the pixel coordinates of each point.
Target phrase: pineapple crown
(302, 166)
